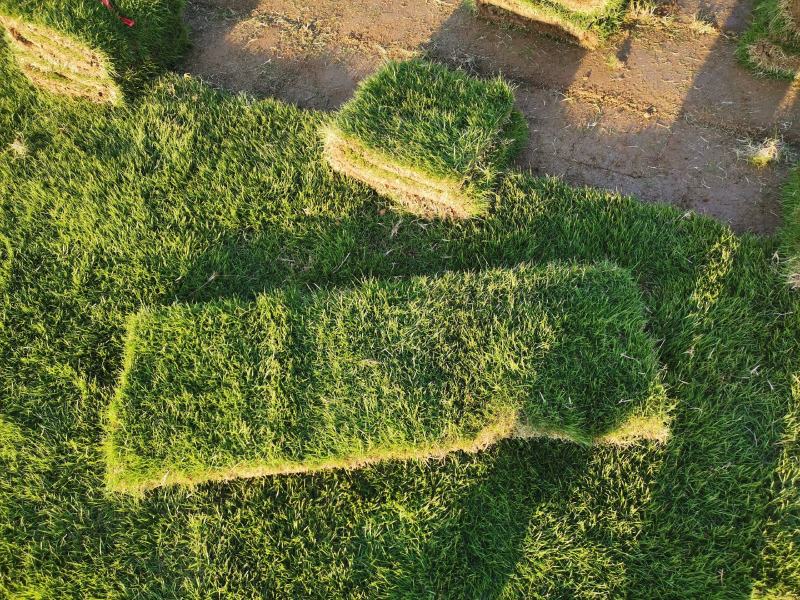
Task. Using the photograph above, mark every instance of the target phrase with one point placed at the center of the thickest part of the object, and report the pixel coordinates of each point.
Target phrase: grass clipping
(587, 23)
(432, 139)
(298, 382)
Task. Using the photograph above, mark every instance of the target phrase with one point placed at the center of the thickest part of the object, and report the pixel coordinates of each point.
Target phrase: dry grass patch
(771, 46)
(764, 153)
(768, 57)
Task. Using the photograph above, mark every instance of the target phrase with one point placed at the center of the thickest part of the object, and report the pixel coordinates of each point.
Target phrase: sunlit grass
(192, 196)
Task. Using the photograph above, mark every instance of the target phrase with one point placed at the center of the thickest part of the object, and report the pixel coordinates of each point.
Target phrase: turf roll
(415, 368)
(432, 139)
(587, 23)
(85, 49)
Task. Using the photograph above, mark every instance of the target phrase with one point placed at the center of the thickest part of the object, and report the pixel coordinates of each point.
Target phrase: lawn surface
(790, 234)
(193, 196)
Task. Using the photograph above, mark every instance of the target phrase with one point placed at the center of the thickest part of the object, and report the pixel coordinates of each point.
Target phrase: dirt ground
(664, 112)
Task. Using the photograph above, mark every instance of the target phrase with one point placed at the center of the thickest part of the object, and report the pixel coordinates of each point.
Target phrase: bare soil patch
(663, 113)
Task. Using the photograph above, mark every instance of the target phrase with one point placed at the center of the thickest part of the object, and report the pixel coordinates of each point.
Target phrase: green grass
(781, 566)
(297, 382)
(434, 140)
(80, 48)
(193, 196)
(771, 45)
(587, 24)
(790, 232)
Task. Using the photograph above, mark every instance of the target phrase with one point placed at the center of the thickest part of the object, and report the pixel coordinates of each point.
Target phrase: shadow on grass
(697, 505)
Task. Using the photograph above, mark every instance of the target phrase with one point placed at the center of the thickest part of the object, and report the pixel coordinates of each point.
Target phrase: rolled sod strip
(432, 139)
(586, 23)
(298, 381)
(82, 49)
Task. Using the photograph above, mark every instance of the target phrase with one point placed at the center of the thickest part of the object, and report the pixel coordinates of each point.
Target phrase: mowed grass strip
(433, 139)
(780, 569)
(587, 23)
(416, 368)
(81, 49)
(790, 232)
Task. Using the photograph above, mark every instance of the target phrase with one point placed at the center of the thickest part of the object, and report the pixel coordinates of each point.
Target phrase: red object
(125, 20)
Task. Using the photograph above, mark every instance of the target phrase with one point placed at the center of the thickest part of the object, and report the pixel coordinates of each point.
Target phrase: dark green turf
(193, 196)
(408, 368)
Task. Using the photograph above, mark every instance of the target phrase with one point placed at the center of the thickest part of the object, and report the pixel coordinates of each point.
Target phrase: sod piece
(432, 139)
(299, 382)
(587, 23)
(83, 49)
(771, 45)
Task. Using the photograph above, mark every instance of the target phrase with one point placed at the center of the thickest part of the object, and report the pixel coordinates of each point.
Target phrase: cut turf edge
(413, 190)
(547, 22)
(435, 140)
(637, 430)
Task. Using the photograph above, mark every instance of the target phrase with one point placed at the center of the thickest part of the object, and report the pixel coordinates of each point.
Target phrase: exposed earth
(664, 113)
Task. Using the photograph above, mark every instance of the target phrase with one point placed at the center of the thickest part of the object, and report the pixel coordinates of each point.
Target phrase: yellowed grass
(765, 153)
(60, 64)
(794, 279)
(790, 12)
